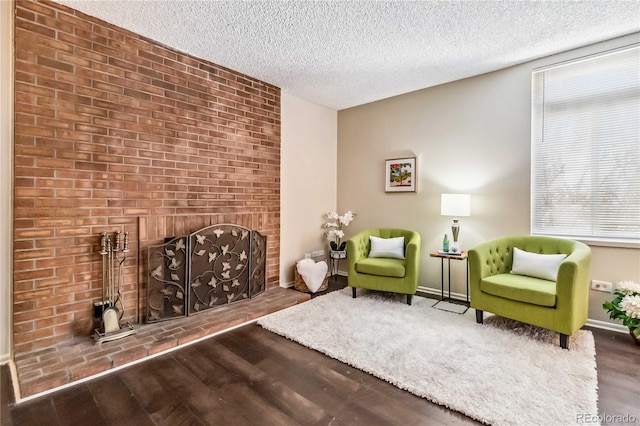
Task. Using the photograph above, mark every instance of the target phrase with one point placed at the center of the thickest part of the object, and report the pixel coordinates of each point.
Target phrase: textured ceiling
(345, 53)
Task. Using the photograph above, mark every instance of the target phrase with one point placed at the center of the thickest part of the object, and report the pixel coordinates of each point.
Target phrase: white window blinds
(585, 142)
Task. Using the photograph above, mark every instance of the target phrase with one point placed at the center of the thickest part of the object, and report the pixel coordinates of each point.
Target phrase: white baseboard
(437, 292)
(5, 358)
(607, 326)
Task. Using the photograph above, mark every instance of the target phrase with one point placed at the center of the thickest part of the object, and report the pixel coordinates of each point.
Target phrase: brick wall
(113, 130)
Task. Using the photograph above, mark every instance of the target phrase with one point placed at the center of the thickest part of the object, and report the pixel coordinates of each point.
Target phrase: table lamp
(455, 205)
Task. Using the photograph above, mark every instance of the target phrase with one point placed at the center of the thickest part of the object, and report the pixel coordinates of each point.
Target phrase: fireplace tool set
(113, 254)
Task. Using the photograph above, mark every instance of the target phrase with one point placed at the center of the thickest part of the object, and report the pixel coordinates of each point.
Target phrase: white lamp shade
(455, 205)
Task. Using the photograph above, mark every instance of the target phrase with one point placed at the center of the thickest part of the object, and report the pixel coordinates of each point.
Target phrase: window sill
(600, 242)
(610, 243)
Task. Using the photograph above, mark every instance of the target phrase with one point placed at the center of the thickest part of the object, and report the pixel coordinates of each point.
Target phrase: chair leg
(353, 292)
(479, 316)
(409, 297)
(564, 341)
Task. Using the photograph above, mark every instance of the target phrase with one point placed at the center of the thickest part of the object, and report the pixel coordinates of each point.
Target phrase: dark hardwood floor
(250, 376)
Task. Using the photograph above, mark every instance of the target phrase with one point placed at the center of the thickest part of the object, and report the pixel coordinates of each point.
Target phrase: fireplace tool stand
(113, 257)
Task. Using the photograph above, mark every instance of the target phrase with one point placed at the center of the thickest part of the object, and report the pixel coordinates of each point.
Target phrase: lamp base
(454, 247)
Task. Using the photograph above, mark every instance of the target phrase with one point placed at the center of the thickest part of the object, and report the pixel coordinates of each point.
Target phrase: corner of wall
(308, 179)
(6, 178)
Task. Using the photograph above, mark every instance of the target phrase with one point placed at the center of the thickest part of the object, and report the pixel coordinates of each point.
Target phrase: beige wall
(6, 168)
(308, 179)
(470, 136)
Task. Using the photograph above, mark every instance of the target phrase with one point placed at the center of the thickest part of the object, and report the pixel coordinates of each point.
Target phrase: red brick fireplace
(117, 132)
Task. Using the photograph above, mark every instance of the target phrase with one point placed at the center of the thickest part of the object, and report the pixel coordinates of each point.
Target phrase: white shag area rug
(500, 373)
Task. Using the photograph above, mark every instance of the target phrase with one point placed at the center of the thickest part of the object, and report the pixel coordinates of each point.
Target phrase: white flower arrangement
(625, 305)
(628, 287)
(631, 305)
(334, 232)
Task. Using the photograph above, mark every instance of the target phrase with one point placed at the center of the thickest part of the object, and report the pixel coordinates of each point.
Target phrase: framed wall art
(400, 175)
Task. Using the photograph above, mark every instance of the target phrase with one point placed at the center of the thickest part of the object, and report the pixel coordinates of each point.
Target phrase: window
(585, 148)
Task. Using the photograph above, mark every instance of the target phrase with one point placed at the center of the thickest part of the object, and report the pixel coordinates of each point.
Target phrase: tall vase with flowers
(625, 306)
(334, 231)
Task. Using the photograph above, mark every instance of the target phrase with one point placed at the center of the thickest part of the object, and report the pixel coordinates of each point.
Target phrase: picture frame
(400, 174)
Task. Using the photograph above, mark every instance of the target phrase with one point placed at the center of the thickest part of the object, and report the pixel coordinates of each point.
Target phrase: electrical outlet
(605, 286)
(318, 253)
(307, 255)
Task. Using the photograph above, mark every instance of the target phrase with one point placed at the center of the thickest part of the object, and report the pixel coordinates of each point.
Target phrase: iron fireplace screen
(212, 267)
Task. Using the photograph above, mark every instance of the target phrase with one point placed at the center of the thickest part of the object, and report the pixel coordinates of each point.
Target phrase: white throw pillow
(387, 247)
(544, 266)
(312, 273)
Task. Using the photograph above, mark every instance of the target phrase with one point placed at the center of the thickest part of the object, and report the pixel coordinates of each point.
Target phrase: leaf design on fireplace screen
(167, 266)
(219, 259)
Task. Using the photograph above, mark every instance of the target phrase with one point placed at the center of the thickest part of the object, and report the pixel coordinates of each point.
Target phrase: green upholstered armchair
(560, 306)
(384, 274)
